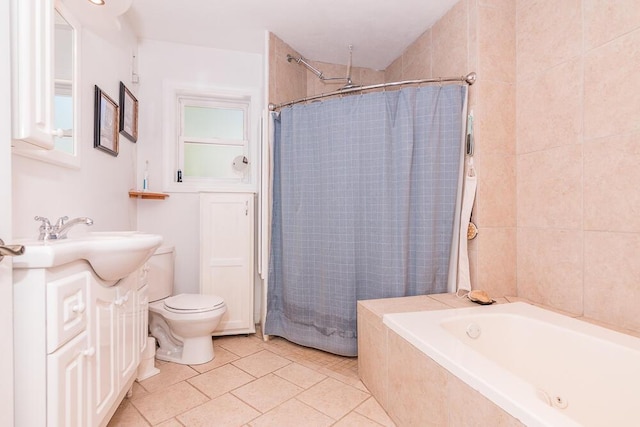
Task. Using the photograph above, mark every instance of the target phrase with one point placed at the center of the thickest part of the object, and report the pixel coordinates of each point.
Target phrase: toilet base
(194, 351)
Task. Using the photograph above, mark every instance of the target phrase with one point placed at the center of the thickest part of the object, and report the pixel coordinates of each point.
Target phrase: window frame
(176, 96)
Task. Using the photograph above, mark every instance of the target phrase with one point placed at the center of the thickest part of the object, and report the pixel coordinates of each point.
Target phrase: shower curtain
(364, 200)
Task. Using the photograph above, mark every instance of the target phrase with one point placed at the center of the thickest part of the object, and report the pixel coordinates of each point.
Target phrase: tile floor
(254, 383)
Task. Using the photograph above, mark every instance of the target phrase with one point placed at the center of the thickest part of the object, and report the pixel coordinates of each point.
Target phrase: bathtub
(543, 368)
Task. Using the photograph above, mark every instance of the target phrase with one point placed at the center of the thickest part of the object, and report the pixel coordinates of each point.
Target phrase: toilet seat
(193, 303)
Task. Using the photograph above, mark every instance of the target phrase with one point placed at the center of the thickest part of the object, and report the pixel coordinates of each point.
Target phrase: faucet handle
(45, 221)
(61, 221)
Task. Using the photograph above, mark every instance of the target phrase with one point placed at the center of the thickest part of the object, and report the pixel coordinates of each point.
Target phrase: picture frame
(105, 127)
(128, 114)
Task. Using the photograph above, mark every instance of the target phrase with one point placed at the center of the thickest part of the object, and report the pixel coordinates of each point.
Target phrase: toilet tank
(160, 275)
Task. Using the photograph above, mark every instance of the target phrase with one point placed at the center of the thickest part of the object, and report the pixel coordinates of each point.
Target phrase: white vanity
(80, 325)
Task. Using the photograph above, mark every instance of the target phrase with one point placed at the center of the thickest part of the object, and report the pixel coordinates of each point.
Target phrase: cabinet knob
(89, 352)
(79, 308)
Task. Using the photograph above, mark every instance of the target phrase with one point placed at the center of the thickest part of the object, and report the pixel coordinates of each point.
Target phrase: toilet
(182, 324)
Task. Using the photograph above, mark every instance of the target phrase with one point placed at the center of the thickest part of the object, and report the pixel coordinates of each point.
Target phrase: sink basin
(111, 255)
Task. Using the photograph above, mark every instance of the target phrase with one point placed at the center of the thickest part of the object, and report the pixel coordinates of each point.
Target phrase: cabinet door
(103, 338)
(67, 386)
(226, 257)
(33, 33)
(143, 318)
(127, 333)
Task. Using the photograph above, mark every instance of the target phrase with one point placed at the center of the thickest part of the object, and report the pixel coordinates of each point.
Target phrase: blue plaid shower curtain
(364, 199)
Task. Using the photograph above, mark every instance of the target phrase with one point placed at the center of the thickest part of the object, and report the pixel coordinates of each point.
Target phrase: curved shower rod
(468, 79)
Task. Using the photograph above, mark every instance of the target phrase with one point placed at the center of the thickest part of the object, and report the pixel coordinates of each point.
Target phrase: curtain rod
(468, 79)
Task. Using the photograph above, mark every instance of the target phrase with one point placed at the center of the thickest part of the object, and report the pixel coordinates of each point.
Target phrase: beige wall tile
(496, 43)
(496, 192)
(611, 285)
(416, 59)
(417, 385)
(393, 72)
(611, 87)
(550, 267)
(611, 177)
(607, 19)
(497, 261)
(550, 188)
(495, 126)
(548, 32)
(287, 81)
(450, 42)
(549, 108)
(372, 353)
(467, 407)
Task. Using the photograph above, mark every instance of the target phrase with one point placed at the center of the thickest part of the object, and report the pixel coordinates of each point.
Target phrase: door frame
(6, 278)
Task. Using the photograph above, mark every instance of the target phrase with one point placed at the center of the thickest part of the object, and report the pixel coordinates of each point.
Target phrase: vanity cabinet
(227, 257)
(78, 339)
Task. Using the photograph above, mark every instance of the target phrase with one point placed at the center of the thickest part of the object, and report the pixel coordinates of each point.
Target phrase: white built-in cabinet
(33, 72)
(227, 257)
(79, 342)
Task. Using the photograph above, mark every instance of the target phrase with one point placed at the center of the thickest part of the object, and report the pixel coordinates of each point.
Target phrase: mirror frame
(54, 156)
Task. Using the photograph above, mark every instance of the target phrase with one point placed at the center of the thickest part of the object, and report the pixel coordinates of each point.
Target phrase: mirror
(63, 85)
(66, 101)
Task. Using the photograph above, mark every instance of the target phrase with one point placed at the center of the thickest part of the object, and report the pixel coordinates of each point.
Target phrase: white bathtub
(543, 368)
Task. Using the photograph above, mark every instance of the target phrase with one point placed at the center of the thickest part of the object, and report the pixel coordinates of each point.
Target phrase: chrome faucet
(61, 228)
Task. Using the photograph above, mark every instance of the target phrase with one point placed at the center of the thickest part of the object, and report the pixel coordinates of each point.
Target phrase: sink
(112, 255)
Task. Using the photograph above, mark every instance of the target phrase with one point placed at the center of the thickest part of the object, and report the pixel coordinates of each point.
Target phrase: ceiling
(379, 30)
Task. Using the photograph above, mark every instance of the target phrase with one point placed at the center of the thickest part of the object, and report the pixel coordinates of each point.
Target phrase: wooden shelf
(147, 195)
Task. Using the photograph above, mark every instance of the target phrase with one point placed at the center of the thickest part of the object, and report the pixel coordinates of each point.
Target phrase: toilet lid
(193, 303)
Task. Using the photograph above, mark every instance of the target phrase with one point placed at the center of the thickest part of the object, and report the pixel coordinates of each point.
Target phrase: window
(208, 139)
(213, 133)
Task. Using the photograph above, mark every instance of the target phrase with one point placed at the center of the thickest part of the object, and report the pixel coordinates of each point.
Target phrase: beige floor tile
(170, 423)
(168, 402)
(222, 357)
(356, 420)
(292, 413)
(220, 380)
(226, 410)
(242, 346)
(138, 390)
(282, 347)
(127, 416)
(170, 373)
(333, 397)
(372, 410)
(261, 363)
(267, 392)
(300, 375)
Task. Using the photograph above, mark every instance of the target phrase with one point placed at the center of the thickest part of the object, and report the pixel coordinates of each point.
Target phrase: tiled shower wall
(564, 230)
(578, 150)
(479, 36)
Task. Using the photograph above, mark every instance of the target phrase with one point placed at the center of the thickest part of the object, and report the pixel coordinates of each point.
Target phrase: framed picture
(105, 127)
(128, 114)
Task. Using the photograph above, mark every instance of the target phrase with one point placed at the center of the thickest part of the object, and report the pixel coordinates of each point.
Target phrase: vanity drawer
(66, 309)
